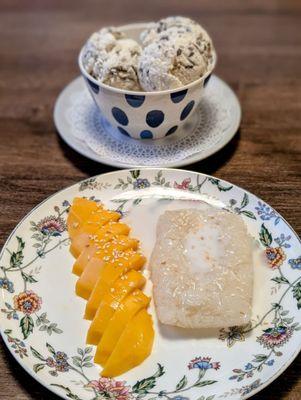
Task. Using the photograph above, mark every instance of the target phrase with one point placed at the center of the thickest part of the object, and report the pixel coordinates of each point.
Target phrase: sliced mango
(108, 251)
(99, 250)
(83, 238)
(108, 266)
(133, 347)
(85, 215)
(96, 246)
(133, 303)
(97, 219)
(82, 260)
(79, 212)
(111, 301)
(110, 272)
(86, 282)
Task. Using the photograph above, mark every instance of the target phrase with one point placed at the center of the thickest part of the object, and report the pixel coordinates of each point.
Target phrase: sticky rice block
(202, 269)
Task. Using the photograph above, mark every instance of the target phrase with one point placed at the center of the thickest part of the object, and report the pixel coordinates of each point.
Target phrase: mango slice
(133, 347)
(97, 219)
(110, 272)
(98, 250)
(82, 239)
(111, 301)
(96, 245)
(82, 260)
(109, 251)
(133, 303)
(79, 212)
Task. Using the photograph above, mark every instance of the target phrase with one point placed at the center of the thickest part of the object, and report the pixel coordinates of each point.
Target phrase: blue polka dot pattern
(154, 118)
(171, 130)
(186, 110)
(146, 135)
(93, 86)
(134, 100)
(207, 80)
(123, 131)
(178, 96)
(120, 116)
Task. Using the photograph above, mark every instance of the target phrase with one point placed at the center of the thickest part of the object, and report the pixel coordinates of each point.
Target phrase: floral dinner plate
(41, 318)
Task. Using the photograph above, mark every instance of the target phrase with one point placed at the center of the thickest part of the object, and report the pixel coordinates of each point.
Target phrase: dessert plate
(41, 318)
(84, 128)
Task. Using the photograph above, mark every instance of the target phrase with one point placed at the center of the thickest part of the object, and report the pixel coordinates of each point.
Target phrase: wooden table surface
(259, 48)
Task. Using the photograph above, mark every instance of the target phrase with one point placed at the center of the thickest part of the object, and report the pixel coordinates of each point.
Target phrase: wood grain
(259, 48)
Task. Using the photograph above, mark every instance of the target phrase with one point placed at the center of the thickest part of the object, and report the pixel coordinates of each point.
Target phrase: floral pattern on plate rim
(49, 233)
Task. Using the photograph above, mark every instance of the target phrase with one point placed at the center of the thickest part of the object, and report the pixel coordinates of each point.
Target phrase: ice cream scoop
(173, 62)
(179, 25)
(99, 44)
(113, 60)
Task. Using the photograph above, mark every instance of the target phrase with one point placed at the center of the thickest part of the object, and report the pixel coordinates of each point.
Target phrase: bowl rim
(142, 25)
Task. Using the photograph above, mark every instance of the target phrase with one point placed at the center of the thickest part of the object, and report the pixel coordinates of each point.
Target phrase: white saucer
(82, 127)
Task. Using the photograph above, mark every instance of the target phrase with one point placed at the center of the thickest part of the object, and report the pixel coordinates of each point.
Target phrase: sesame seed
(115, 304)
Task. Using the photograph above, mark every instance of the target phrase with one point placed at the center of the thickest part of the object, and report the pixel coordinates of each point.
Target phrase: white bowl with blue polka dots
(145, 115)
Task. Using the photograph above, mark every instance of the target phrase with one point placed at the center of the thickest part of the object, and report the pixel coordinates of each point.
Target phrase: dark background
(259, 49)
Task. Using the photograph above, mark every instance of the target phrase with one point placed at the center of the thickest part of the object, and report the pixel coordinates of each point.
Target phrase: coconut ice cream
(175, 51)
(112, 59)
(179, 25)
(173, 62)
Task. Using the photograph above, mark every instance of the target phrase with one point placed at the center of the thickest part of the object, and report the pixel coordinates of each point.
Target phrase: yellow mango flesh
(110, 272)
(120, 243)
(96, 220)
(96, 246)
(111, 301)
(82, 239)
(133, 347)
(91, 272)
(133, 303)
(104, 256)
(82, 260)
(80, 212)
(86, 282)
